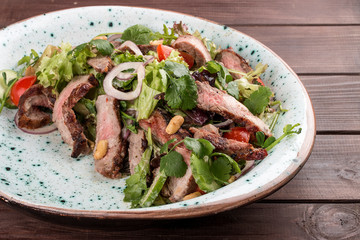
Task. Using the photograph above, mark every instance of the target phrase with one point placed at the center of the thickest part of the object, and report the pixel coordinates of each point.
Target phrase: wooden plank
(256, 221)
(332, 172)
(315, 49)
(336, 101)
(243, 12)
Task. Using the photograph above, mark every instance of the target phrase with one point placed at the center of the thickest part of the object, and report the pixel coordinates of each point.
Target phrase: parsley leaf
(258, 100)
(138, 34)
(181, 93)
(103, 46)
(221, 169)
(173, 164)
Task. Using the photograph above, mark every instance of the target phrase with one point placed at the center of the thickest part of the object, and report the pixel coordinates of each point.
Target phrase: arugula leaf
(258, 100)
(136, 183)
(138, 34)
(154, 190)
(103, 46)
(166, 36)
(165, 148)
(182, 93)
(129, 122)
(221, 169)
(288, 129)
(173, 164)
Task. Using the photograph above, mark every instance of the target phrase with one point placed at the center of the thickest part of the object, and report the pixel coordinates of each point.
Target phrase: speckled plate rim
(190, 211)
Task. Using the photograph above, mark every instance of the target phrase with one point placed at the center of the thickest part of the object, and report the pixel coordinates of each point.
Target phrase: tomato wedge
(259, 81)
(20, 87)
(187, 58)
(239, 134)
(164, 52)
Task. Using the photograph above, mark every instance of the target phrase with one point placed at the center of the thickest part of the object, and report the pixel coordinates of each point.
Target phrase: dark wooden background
(320, 40)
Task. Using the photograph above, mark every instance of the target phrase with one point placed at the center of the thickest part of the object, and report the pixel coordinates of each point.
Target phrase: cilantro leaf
(103, 46)
(182, 93)
(202, 174)
(200, 147)
(173, 164)
(165, 148)
(258, 100)
(260, 138)
(288, 130)
(232, 162)
(233, 90)
(138, 34)
(177, 69)
(221, 169)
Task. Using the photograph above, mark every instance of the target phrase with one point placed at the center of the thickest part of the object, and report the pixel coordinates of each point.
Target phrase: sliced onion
(149, 59)
(43, 130)
(111, 91)
(114, 37)
(224, 124)
(125, 76)
(132, 46)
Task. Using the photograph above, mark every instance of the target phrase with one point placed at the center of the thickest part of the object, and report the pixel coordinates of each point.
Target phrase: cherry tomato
(239, 134)
(187, 58)
(20, 87)
(259, 81)
(163, 52)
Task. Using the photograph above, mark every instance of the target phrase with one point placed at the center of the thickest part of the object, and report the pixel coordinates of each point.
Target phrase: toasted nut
(101, 149)
(174, 124)
(192, 195)
(100, 37)
(231, 179)
(156, 42)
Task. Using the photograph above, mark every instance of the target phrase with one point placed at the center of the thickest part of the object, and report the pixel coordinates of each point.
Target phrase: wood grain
(257, 221)
(314, 49)
(241, 12)
(336, 101)
(332, 172)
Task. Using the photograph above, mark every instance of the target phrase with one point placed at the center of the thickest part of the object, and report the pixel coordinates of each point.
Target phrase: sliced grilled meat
(235, 149)
(176, 188)
(137, 146)
(232, 60)
(195, 47)
(147, 48)
(214, 100)
(102, 64)
(64, 117)
(108, 128)
(32, 104)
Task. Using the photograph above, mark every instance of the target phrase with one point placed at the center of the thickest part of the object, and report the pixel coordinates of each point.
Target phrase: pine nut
(174, 124)
(101, 149)
(192, 195)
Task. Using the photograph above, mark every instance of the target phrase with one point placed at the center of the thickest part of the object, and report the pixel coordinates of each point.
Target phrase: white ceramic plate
(37, 172)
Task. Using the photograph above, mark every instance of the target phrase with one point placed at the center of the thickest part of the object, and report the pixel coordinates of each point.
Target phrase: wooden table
(320, 40)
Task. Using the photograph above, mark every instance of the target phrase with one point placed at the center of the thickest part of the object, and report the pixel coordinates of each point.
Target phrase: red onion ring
(114, 37)
(43, 130)
(131, 46)
(128, 75)
(111, 91)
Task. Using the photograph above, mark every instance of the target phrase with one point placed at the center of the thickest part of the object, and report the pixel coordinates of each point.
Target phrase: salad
(171, 111)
